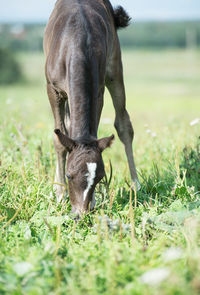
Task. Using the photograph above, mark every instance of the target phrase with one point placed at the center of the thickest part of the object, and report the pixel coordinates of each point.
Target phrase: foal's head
(85, 168)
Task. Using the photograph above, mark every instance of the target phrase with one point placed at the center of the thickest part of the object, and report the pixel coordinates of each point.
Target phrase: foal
(82, 57)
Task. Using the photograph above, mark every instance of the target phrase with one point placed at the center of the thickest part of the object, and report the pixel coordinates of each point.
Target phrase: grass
(147, 243)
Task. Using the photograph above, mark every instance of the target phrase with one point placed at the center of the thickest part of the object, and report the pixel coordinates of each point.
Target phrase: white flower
(22, 268)
(27, 233)
(195, 121)
(172, 254)
(153, 134)
(155, 276)
(149, 131)
(49, 247)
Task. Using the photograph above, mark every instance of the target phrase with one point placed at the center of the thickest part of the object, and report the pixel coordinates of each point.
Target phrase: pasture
(144, 243)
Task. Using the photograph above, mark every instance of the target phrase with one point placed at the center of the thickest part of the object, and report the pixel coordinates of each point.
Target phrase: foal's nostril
(77, 218)
(75, 214)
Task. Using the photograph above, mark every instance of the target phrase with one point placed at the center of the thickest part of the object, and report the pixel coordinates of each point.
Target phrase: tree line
(29, 37)
(161, 35)
(150, 35)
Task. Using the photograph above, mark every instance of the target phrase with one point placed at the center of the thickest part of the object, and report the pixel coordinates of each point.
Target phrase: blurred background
(161, 57)
(155, 27)
(172, 24)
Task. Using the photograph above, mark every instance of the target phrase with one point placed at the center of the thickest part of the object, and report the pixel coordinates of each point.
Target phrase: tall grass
(144, 243)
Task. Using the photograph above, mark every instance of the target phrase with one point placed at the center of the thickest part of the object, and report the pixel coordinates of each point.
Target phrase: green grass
(147, 243)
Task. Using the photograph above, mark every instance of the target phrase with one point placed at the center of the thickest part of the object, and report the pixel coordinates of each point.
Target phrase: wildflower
(149, 131)
(153, 134)
(155, 276)
(195, 121)
(113, 225)
(172, 254)
(27, 233)
(22, 268)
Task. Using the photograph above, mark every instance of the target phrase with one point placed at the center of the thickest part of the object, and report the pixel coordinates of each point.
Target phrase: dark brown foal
(82, 57)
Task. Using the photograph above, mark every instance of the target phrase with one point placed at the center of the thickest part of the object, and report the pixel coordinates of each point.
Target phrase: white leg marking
(90, 178)
(57, 173)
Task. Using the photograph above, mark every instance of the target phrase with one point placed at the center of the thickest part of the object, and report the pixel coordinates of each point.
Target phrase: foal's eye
(68, 176)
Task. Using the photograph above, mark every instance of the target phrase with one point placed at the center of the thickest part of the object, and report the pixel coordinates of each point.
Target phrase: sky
(39, 10)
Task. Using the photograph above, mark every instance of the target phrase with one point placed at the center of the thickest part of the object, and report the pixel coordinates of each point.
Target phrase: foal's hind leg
(57, 102)
(115, 85)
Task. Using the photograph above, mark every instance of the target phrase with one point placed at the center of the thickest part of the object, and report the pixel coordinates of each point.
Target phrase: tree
(10, 71)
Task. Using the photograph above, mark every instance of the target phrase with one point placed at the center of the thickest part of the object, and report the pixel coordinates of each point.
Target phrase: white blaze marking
(90, 178)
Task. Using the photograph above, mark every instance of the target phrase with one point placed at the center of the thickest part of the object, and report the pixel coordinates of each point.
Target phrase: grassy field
(147, 243)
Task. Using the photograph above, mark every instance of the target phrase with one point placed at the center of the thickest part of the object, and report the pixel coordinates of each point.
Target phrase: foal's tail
(121, 17)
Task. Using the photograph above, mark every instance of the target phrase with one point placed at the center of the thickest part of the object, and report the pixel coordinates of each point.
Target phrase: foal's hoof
(136, 185)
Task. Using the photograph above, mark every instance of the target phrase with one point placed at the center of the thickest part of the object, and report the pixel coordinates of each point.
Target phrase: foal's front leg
(59, 185)
(58, 108)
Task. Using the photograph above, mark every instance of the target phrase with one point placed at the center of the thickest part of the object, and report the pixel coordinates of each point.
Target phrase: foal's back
(82, 27)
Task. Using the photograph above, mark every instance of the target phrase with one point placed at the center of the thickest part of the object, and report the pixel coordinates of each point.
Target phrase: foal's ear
(105, 142)
(65, 140)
